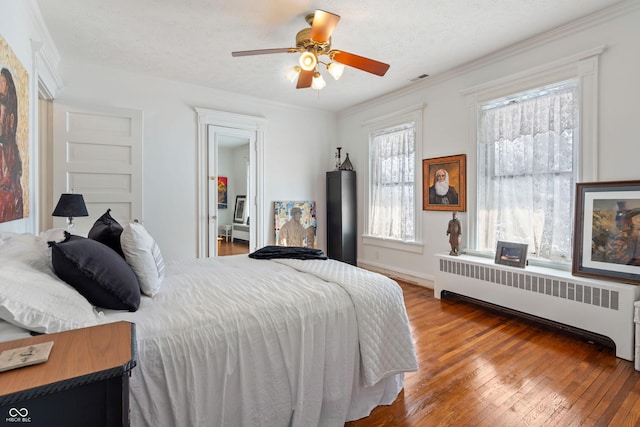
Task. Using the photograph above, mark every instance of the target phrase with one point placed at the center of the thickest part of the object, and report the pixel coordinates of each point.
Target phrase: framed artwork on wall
(222, 192)
(513, 254)
(239, 211)
(606, 241)
(14, 136)
(444, 182)
(295, 223)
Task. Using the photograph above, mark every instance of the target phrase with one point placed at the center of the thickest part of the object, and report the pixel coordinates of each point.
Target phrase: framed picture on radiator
(513, 254)
(606, 232)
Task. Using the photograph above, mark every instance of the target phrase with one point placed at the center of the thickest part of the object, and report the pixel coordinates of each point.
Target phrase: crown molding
(45, 53)
(581, 24)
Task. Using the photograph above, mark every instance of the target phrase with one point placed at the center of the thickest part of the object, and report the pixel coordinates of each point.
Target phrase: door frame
(220, 119)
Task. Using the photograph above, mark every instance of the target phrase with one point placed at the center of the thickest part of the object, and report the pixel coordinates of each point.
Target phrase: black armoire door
(341, 216)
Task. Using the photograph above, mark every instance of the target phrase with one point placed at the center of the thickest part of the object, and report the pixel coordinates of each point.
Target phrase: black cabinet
(341, 216)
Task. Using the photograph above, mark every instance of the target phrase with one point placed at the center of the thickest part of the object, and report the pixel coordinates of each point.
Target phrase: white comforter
(383, 327)
(234, 341)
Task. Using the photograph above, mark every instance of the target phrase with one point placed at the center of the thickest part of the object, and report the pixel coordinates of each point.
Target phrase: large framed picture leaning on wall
(607, 222)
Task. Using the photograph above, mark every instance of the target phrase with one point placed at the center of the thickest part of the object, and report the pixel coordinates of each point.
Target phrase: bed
(236, 341)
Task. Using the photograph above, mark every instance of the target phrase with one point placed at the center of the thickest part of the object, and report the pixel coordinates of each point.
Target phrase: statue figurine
(454, 231)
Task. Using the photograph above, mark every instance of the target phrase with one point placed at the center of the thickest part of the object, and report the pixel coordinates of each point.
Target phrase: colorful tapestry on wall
(222, 192)
(14, 136)
(295, 224)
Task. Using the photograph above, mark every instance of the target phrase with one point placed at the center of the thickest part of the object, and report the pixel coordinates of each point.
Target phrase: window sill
(399, 245)
(533, 262)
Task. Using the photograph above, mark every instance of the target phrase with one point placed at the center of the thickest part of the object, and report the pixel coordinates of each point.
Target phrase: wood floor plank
(482, 367)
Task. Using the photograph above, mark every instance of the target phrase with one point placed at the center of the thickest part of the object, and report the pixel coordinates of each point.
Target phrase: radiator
(597, 306)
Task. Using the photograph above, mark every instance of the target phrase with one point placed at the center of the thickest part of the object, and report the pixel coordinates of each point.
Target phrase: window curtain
(526, 173)
(392, 188)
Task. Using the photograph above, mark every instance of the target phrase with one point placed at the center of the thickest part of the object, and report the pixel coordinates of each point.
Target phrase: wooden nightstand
(85, 382)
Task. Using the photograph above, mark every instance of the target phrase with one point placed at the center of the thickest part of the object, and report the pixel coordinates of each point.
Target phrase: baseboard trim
(397, 275)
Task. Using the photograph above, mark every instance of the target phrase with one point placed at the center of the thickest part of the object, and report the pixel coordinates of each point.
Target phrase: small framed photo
(606, 239)
(239, 211)
(513, 254)
(444, 183)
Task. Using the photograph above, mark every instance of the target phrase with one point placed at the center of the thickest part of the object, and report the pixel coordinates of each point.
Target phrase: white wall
(170, 146)
(295, 166)
(445, 117)
(170, 136)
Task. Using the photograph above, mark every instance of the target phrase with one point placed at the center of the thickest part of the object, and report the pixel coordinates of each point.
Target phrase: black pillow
(107, 230)
(97, 272)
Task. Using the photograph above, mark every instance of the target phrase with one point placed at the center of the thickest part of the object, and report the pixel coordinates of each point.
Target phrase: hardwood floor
(480, 367)
(233, 248)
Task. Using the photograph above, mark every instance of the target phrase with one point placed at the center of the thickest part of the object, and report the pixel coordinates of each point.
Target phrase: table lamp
(70, 206)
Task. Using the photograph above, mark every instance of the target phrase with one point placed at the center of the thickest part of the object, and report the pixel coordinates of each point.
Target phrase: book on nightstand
(25, 356)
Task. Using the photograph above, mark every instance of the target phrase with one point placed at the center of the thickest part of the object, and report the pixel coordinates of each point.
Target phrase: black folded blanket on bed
(271, 252)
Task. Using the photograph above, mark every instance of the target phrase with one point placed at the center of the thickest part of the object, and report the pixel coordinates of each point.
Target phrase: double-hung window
(392, 182)
(526, 160)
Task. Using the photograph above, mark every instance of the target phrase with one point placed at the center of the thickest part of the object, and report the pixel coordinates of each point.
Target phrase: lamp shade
(318, 82)
(292, 73)
(70, 205)
(308, 61)
(335, 69)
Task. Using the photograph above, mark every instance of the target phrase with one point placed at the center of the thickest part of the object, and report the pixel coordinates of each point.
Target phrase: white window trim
(409, 114)
(584, 67)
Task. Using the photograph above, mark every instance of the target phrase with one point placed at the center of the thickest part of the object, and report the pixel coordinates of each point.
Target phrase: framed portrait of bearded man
(444, 181)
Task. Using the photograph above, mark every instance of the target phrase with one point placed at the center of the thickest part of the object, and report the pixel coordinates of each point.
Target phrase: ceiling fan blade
(304, 79)
(263, 51)
(360, 62)
(323, 25)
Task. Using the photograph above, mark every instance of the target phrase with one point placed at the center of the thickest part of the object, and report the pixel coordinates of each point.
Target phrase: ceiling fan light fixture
(308, 61)
(318, 82)
(292, 73)
(335, 69)
(313, 43)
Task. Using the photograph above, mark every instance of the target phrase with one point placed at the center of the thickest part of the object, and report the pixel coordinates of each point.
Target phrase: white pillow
(30, 249)
(40, 302)
(143, 254)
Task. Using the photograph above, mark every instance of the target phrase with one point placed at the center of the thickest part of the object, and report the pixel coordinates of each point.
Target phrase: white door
(229, 156)
(98, 153)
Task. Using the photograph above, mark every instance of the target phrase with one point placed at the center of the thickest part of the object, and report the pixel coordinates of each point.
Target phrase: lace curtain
(392, 188)
(526, 172)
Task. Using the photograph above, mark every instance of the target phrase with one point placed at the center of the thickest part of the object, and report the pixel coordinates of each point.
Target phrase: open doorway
(234, 171)
(218, 131)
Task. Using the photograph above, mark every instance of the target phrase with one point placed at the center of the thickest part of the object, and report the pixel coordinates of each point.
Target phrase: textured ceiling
(192, 40)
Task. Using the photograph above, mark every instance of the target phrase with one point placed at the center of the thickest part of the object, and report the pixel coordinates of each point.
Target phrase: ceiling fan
(315, 42)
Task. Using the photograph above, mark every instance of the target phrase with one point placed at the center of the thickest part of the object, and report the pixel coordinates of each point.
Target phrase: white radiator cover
(597, 306)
